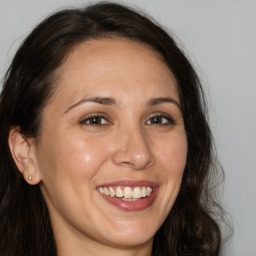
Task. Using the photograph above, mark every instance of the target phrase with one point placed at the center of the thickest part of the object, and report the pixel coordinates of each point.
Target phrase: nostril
(133, 161)
(133, 151)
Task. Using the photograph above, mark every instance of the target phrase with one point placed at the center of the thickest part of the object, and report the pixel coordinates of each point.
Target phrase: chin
(134, 235)
(132, 240)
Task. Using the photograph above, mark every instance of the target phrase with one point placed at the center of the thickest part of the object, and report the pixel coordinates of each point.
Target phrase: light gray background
(220, 39)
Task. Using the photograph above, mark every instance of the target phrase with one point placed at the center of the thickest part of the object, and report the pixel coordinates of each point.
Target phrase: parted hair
(191, 228)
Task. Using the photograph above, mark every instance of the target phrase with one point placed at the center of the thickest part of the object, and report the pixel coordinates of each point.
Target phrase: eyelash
(96, 120)
(92, 118)
(168, 119)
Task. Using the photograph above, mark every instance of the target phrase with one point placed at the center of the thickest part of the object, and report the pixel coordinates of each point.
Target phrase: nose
(133, 150)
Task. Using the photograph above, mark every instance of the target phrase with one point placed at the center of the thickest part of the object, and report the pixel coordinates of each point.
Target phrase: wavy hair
(191, 228)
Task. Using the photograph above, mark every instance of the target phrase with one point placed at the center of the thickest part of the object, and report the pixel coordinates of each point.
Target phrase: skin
(72, 156)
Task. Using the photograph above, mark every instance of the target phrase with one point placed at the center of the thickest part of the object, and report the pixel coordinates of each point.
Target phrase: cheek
(173, 154)
(172, 159)
(70, 154)
(84, 156)
(70, 164)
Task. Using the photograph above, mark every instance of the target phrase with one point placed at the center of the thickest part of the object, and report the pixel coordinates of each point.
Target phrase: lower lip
(137, 205)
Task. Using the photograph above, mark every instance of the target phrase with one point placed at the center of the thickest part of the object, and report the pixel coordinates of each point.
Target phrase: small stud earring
(30, 178)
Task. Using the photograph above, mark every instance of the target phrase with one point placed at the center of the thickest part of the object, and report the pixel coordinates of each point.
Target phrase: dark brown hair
(25, 229)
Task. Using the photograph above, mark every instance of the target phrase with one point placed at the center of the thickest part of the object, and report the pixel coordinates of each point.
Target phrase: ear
(23, 152)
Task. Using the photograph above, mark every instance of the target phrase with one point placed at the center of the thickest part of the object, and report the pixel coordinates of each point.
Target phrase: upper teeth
(126, 192)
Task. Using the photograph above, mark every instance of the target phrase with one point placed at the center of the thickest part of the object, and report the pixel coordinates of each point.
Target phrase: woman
(105, 148)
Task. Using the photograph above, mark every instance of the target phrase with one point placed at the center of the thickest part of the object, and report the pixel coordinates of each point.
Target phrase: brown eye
(160, 120)
(94, 120)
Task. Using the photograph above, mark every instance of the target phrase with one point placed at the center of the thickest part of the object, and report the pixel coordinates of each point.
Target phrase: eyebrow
(100, 100)
(112, 102)
(156, 101)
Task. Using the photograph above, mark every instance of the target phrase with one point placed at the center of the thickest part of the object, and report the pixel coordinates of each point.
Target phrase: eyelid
(83, 120)
(164, 115)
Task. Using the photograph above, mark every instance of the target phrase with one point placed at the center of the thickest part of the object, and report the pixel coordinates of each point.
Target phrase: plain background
(220, 39)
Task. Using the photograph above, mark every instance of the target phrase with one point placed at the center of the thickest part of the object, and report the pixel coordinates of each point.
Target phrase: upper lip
(130, 183)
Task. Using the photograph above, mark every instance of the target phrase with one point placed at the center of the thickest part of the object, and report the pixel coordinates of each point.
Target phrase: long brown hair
(25, 228)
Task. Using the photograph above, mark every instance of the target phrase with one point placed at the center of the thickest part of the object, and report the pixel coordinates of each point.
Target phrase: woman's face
(113, 129)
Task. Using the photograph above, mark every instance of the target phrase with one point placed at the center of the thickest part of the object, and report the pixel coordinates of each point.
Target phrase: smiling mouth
(126, 193)
(129, 195)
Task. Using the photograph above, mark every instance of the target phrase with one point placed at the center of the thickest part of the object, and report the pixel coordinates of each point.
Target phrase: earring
(29, 177)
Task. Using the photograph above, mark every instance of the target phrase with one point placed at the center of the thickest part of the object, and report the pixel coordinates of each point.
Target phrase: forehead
(102, 64)
(103, 46)
(104, 52)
